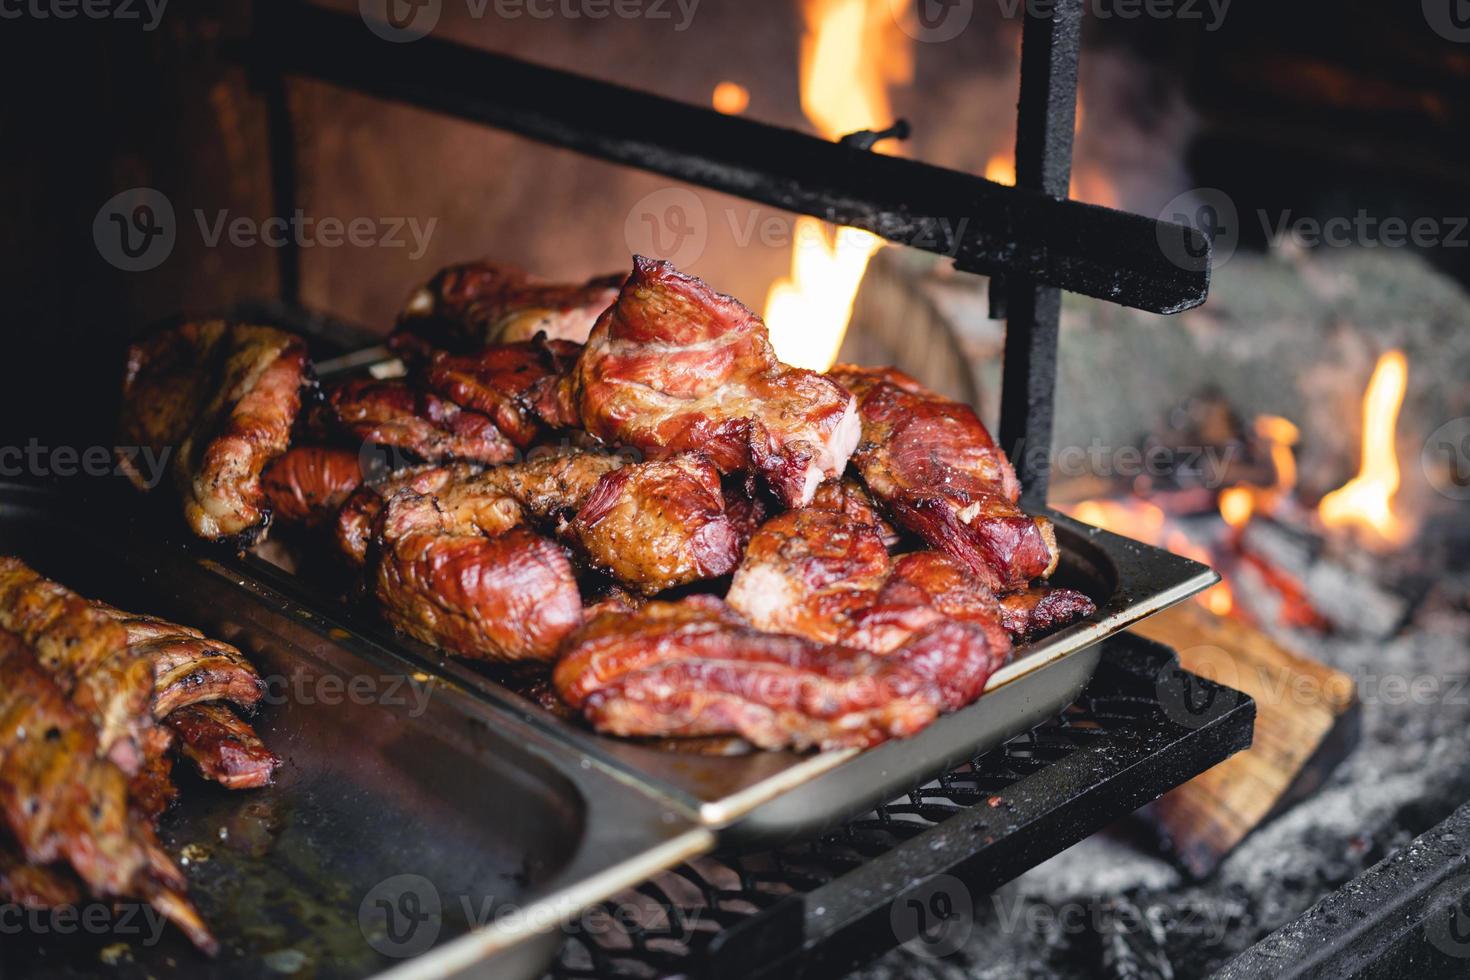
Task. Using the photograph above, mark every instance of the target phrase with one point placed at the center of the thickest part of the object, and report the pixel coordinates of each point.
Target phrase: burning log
(1306, 721)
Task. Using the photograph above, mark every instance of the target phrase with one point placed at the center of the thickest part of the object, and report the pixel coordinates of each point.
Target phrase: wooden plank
(1305, 721)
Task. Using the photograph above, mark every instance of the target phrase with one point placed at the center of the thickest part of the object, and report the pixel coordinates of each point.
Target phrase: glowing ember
(851, 52)
(1237, 504)
(730, 98)
(1366, 500)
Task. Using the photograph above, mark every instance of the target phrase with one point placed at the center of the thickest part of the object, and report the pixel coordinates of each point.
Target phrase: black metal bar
(1408, 915)
(1050, 45)
(1013, 807)
(281, 137)
(985, 227)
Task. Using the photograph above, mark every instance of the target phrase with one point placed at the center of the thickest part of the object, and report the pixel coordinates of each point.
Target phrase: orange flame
(851, 52)
(1366, 500)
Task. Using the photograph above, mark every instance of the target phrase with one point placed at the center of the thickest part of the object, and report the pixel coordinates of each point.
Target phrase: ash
(1114, 905)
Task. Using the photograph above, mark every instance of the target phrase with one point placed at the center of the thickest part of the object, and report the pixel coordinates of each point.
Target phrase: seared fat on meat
(477, 303)
(695, 667)
(674, 366)
(220, 398)
(934, 467)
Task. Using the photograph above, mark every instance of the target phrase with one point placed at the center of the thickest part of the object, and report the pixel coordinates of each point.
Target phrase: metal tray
(400, 793)
(761, 796)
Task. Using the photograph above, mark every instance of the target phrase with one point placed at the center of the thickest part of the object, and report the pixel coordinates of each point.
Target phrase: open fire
(851, 52)
(1362, 506)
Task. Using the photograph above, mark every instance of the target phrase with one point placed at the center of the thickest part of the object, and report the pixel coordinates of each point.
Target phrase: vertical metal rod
(1051, 41)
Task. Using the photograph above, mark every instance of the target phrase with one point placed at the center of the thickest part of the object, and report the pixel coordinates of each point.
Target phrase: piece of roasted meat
(808, 571)
(86, 653)
(654, 526)
(674, 366)
(506, 595)
(1041, 609)
(517, 386)
(223, 746)
(695, 667)
(416, 425)
(357, 519)
(932, 465)
(220, 400)
(309, 484)
(467, 306)
(62, 802)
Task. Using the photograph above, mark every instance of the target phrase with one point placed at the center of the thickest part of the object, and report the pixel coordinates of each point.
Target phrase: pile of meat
(94, 701)
(627, 487)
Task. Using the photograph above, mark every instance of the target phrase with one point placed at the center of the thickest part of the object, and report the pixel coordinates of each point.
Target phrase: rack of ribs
(932, 465)
(62, 802)
(674, 366)
(220, 399)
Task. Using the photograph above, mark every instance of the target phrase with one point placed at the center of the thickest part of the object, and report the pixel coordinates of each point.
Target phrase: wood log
(1306, 722)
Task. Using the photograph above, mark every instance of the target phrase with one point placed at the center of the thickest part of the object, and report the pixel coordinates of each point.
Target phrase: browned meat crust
(1041, 609)
(61, 802)
(654, 526)
(674, 366)
(418, 423)
(309, 484)
(506, 596)
(517, 386)
(87, 655)
(358, 518)
(221, 398)
(934, 467)
(696, 668)
(224, 747)
(467, 306)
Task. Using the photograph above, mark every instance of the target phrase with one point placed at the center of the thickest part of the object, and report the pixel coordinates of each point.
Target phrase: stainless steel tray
(393, 793)
(770, 795)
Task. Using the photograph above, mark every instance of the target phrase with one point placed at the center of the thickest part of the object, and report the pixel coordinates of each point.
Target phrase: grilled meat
(61, 802)
(221, 398)
(921, 588)
(849, 497)
(675, 366)
(517, 386)
(417, 423)
(358, 517)
(468, 306)
(31, 886)
(504, 596)
(654, 526)
(152, 791)
(224, 747)
(1041, 609)
(695, 667)
(86, 653)
(936, 470)
(309, 484)
(807, 572)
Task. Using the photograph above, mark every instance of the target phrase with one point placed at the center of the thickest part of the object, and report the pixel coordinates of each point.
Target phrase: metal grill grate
(984, 822)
